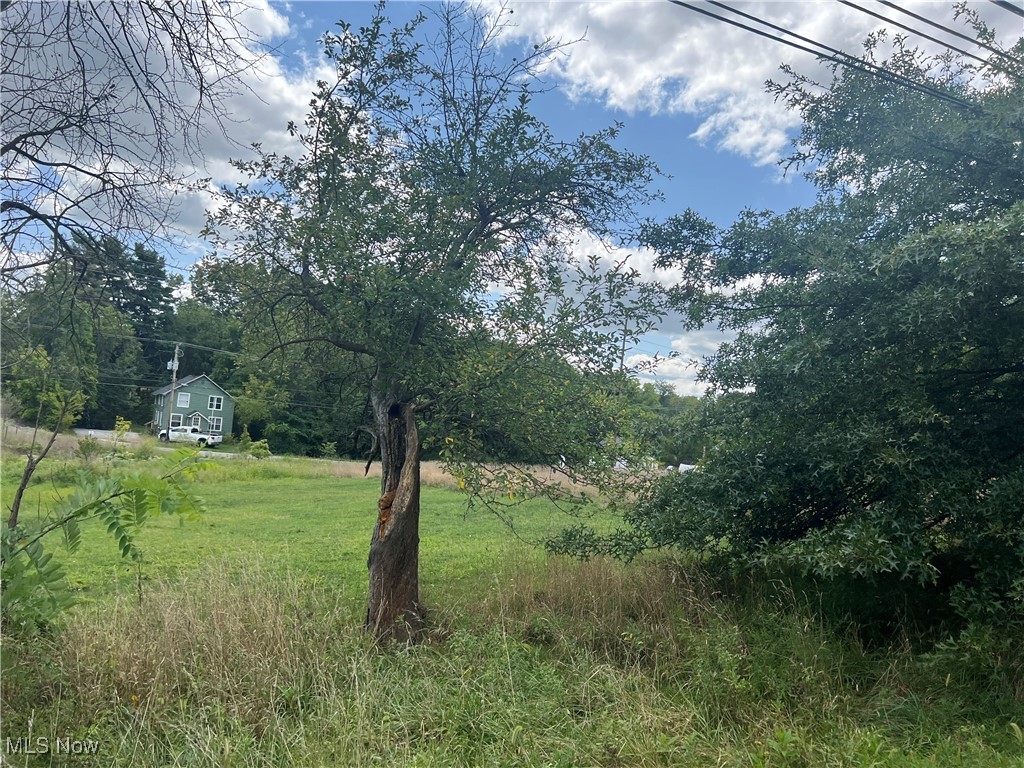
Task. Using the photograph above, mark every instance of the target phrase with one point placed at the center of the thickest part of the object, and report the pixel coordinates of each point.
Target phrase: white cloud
(259, 114)
(270, 95)
(692, 349)
(642, 260)
(657, 57)
(263, 19)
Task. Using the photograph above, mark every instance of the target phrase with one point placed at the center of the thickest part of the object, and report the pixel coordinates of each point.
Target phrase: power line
(953, 32)
(1007, 6)
(907, 28)
(839, 57)
(156, 341)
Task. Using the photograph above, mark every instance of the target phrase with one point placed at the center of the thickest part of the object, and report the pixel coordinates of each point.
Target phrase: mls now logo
(41, 745)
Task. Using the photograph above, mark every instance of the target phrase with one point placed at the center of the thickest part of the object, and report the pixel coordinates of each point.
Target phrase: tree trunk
(394, 609)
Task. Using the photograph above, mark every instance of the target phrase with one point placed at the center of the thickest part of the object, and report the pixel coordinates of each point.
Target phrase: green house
(197, 401)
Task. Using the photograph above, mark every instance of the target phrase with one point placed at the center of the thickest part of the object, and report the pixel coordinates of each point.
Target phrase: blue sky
(689, 91)
(699, 173)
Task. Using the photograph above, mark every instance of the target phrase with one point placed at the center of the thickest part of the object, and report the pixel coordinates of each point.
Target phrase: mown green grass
(246, 650)
(297, 517)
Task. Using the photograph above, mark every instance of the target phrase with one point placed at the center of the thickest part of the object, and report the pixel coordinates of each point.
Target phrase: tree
(218, 332)
(46, 397)
(670, 428)
(105, 308)
(103, 103)
(867, 419)
(104, 106)
(425, 235)
(48, 344)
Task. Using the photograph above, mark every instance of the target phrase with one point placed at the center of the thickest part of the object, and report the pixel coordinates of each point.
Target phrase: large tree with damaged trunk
(424, 239)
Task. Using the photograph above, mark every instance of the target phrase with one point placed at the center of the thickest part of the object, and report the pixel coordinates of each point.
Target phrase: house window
(216, 403)
(197, 420)
(175, 420)
(215, 423)
(183, 399)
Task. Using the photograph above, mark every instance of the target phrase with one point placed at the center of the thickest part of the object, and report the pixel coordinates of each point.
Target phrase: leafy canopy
(866, 420)
(422, 243)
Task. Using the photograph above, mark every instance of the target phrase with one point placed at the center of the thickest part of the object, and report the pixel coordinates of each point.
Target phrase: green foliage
(865, 420)
(670, 423)
(259, 449)
(34, 589)
(392, 236)
(244, 440)
(251, 621)
(662, 665)
(197, 321)
(98, 308)
(121, 428)
(145, 449)
(88, 448)
(48, 391)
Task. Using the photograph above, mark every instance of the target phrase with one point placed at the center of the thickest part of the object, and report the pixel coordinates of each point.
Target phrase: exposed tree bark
(394, 609)
(33, 462)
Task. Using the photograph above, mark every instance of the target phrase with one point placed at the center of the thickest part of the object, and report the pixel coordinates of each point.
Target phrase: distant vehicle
(190, 435)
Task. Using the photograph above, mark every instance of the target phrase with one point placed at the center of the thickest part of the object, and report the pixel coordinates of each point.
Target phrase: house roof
(185, 382)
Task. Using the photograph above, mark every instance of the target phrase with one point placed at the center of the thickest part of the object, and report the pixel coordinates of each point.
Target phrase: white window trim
(215, 403)
(216, 423)
(196, 420)
(183, 399)
(173, 417)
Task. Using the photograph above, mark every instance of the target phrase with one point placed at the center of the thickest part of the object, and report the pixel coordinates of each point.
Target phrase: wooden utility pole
(173, 365)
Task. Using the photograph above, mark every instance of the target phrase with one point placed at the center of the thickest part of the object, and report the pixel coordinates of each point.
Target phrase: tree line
(405, 284)
(104, 323)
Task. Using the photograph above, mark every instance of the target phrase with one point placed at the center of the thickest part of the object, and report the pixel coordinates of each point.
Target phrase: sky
(688, 89)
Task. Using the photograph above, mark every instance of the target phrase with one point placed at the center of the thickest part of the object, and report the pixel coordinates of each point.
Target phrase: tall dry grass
(433, 473)
(16, 439)
(275, 667)
(550, 663)
(229, 634)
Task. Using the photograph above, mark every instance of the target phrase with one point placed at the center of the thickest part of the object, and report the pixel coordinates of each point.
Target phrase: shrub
(88, 448)
(244, 440)
(259, 449)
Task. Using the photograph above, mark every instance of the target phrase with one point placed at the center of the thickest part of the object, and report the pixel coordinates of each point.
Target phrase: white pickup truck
(190, 435)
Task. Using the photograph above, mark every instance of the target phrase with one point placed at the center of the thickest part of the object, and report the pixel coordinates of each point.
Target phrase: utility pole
(173, 367)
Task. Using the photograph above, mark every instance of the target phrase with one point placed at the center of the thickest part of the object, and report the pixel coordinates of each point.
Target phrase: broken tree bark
(393, 609)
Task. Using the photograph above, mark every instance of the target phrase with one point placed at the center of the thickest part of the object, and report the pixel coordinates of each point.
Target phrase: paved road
(105, 434)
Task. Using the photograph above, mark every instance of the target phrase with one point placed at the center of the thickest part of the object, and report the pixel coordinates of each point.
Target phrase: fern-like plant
(34, 590)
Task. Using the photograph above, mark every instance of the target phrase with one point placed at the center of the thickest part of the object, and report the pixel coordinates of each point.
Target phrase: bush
(244, 440)
(145, 450)
(89, 448)
(866, 418)
(259, 449)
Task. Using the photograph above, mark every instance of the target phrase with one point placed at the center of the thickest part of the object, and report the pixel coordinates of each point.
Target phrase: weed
(247, 649)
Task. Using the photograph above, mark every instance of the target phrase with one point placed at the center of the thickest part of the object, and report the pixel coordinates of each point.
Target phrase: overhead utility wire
(1007, 6)
(910, 29)
(839, 57)
(953, 32)
(881, 71)
(147, 338)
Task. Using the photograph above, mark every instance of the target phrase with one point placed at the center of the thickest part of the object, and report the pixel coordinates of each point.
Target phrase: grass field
(246, 649)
